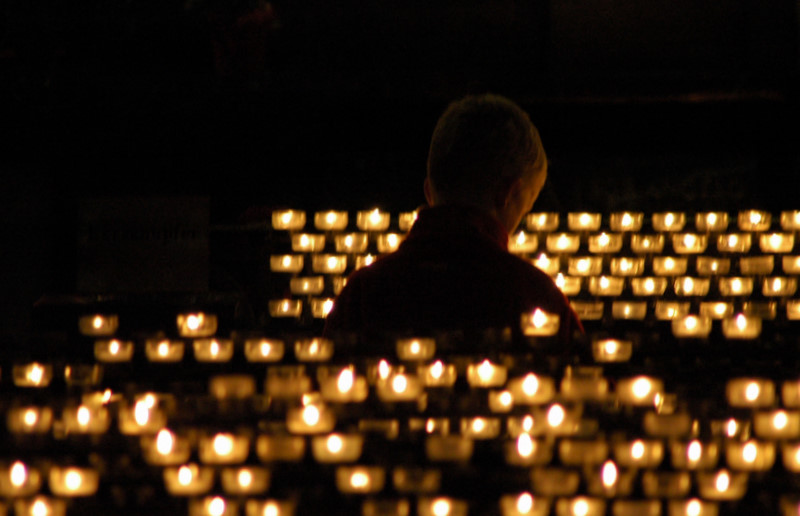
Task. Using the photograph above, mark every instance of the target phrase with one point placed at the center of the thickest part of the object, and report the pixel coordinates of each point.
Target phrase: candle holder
(269, 508)
(736, 286)
(287, 382)
(245, 480)
(360, 479)
(197, 324)
(523, 243)
(329, 263)
(41, 504)
(710, 266)
(532, 389)
(588, 310)
(388, 242)
(212, 506)
(344, 386)
(372, 220)
(113, 351)
(188, 480)
(543, 222)
(669, 265)
(790, 220)
(672, 310)
(288, 220)
(524, 504)
(307, 243)
(351, 243)
(550, 481)
(330, 220)
(34, 374)
(540, 323)
(639, 390)
(286, 263)
(750, 392)
(18, 480)
(315, 349)
(625, 266)
(608, 481)
(750, 455)
(416, 479)
(313, 417)
(691, 286)
(86, 419)
(29, 419)
(583, 221)
(779, 286)
(754, 220)
(280, 447)
(223, 448)
(605, 243)
(667, 424)
(756, 265)
(448, 448)
(694, 454)
(585, 266)
(580, 506)
(606, 286)
(611, 350)
(407, 219)
(307, 286)
(668, 221)
(689, 243)
(548, 264)
(666, 484)
(629, 310)
(639, 453)
(790, 455)
(581, 452)
(721, 485)
(144, 416)
(711, 221)
(486, 374)
(734, 243)
(626, 221)
(776, 242)
(264, 350)
(438, 374)
(415, 349)
(336, 448)
(569, 285)
(501, 401)
(692, 507)
(525, 451)
(563, 243)
(213, 350)
(98, 325)
(399, 387)
(441, 506)
(71, 481)
(691, 327)
(280, 308)
(647, 244)
(480, 428)
(165, 448)
(741, 327)
(164, 350)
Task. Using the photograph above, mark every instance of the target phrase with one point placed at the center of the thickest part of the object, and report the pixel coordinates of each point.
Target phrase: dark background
(681, 104)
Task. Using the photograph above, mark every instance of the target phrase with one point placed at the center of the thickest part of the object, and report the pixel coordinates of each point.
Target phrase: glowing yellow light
(40, 508)
(611, 347)
(690, 322)
(384, 369)
(83, 415)
(485, 370)
(163, 348)
(752, 391)
(580, 507)
(437, 369)
(732, 427)
(780, 420)
(185, 475)
(478, 424)
(637, 449)
(441, 507)
(18, 474)
(399, 383)
(524, 503)
(216, 507)
(30, 417)
(603, 239)
(359, 480)
(750, 452)
(223, 444)
(165, 442)
(755, 217)
(311, 415)
(35, 374)
(345, 380)
(556, 415)
(609, 474)
(193, 322)
(141, 413)
(505, 398)
(669, 219)
(271, 509)
(73, 480)
(525, 445)
(723, 481)
(530, 384)
(641, 387)
(693, 508)
(334, 443)
(694, 451)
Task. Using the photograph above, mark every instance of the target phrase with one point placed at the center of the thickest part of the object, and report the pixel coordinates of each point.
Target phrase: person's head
(485, 152)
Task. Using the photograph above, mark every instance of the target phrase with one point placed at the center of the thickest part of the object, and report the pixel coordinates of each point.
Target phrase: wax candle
(285, 307)
(407, 219)
(29, 419)
(626, 221)
(113, 350)
(335, 448)
(98, 325)
(629, 310)
(415, 348)
(583, 221)
(646, 244)
(542, 221)
(525, 451)
(372, 220)
(33, 374)
(721, 485)
(667, 484)
(750, 392)
(212, 506)
(563, 242)
(524, 504)
(741, 326)
(639, 390)
(547, 264)
(777, 424)
(669, 266)
(790, 220)
(329, 263)
(441, 506)
(165, 448)
(480, 427)
(671, 310)
(605, 243)
(438, 374)
(280, 447)
(288, 263)
(69, 481)
(263, 350)
(486, 374)
(639, 453)
(648, 286)
(448, 447)
(344, 387)
(18, 479)
(164, 350)
(694, 454)
(754, 220)
(288, 220)
(692, 507)
(583, 452)
(330, 220)
(312, 417)
(388, 242)
(213, 350)
(270, 507)
(501, 401)
(316, 349)
(580, 506)
(606, 285)
(399, 386)
(691, 326)
(540, 323)
(523, 243)
(689, 243)
(734, 242)
(40, 505)
(668, 221)
(585, 266)
(612, 350)
(550, 481)
(188, 480)
(625, 266)
(779, 286)
(532, 389)
(197, 324)
(351, 243)
(360, 479)
(307, 242)
(309, 285)
(756, 265)
(86, 419)
(711, 221)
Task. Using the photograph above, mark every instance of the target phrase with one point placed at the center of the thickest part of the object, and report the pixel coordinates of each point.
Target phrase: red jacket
(453, 271)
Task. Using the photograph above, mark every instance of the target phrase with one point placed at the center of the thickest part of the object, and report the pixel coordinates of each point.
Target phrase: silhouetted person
(453, 271)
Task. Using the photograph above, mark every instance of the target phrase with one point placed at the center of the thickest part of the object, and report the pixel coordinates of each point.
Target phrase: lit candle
(480, 427)
(756, 265)
(790, 453)
(716, 309)
(547, 264)
(448, 447)
(585, 266)
(692, 286)
(569, 285)
(336, 448)
(776, 242)
(388, 242)
(629, 310)
(269, 508)
(708, 266)
(779, 286)
(213, 350)
(611, 350)
(608, 480)
(330, 220)
(288, 220)
(671, 310)
(29, 419)
(526, 424)
(605, 243)
(307, 242)
(351, 243)
(364, 261)
(197, 324)
(17, 479)
(777, 424)
(645, 244)
(694, 454)
(316, 349)
(563, 242)
(648, 286)
(711, 221)
(540, 323)
(734, 243)
(245, 480)
(285, 307)
(73, 481)
(544, 222)
(624, 266)
(486, 374)
(407, 219)
(606, 285)
(86, 419)
(626, 221)
(312, 417)
(40, 506)
(165, 448)
(280, 447)
(560, 420)
(639, 453)
(580, 506)
(750, 392)
(359, 479)
(588, 310)
(501, 401)
(750, 455)
(188, 480)
(372, 220)
(263, 350)
(736, 286)
(532, 389)
(143, 416)
(98, 325)
(438, 374)
(790, 220)
(754, 220)
(441, 506)
(344, 386)
(399, 386)
(668, 221)
(415, 349)
(526, 451)
(524, 504)
(691, 326)
(639, 390)
(692, 507)
(523, 243)
(212, 506)
(290, 263)
(583, 221)
(791, 264)
(164, 350)
(33, 374)
(741, 327)
(223, 448)
(113, 350)
(669, 266)
(329, 263)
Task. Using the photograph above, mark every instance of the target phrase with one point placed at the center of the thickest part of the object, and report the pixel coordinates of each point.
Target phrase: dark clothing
(453, 271)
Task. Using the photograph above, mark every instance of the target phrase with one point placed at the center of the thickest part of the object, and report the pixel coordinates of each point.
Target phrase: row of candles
(669, 221)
